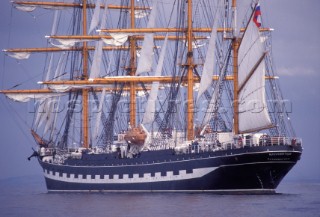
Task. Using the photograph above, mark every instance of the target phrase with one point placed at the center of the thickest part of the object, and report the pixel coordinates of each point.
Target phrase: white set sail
(212, 107)
(95, 134)
(243, 10)
(47, 112)
(146, 54)
(97, 58)
(95, 17)
(253, 113)
(103, 23)
(151, 104)
(44, 110)
(210, 61)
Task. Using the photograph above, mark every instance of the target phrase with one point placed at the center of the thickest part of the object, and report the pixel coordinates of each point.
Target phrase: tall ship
(158, 96)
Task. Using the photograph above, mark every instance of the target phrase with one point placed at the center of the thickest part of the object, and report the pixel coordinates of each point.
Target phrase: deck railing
(265, 141)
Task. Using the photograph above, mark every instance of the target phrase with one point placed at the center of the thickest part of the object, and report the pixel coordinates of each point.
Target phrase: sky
(296, 57)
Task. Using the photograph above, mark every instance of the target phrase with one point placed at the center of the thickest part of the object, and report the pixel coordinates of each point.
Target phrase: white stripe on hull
(146, 178)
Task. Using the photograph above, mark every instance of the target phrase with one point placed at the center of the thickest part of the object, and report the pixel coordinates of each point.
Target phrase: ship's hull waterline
(244, 170)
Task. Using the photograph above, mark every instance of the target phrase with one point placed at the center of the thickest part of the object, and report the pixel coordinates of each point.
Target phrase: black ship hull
(249, 169)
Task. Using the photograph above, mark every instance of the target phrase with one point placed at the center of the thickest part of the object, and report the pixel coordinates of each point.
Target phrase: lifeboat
(135, 136)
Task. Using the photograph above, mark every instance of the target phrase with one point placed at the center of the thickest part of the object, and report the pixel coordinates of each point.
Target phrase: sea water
(27, 196)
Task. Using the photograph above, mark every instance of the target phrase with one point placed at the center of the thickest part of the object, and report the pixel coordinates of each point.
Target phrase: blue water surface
(27, 196)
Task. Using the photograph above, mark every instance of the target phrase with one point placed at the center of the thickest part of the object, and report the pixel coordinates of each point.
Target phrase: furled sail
(67, 43)
(209, 64)
(62, 88)
(118, 39)
(253, 113)
(151, 104)
(31, 7)
(26, 97)
(195, 43)
(25, 8)
(146, 54)
(19, 55)
(140, 14)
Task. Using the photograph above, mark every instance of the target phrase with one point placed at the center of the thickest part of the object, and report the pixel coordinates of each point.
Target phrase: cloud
(298, 71)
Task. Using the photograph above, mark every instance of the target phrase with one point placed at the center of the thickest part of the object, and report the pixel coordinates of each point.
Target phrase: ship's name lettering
(280, 154)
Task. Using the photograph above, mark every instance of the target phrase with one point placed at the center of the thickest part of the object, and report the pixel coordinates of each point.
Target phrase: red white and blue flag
(257, 16)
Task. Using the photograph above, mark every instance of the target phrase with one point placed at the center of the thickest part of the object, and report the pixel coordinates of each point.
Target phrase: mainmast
(190, 105)
(85, 108)
(133, 58)
(235, 48)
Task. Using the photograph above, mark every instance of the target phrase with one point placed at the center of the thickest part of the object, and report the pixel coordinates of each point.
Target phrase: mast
(133, 57)
(85, 109)
(235, 48)
(190, 106)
